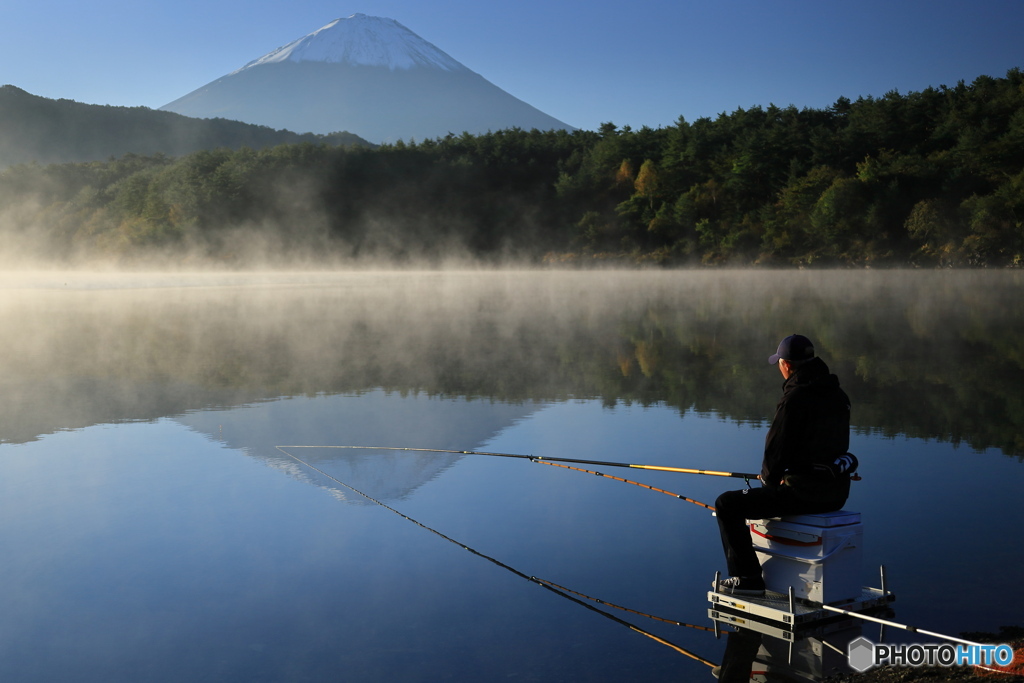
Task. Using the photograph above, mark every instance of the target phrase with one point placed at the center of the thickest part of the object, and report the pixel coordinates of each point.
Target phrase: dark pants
(734, 508)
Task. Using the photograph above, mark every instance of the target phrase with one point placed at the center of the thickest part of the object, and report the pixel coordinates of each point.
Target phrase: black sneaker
(740, 585)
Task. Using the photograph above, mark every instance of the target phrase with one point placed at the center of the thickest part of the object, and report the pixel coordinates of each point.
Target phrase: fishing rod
(531, 458)
(533, 579)
(625, 609)
(629, 481)
(537, 458)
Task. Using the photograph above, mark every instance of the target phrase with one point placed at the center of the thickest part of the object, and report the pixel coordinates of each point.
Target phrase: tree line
(930, 178)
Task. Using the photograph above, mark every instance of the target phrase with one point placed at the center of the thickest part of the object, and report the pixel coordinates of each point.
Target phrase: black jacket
(811, 427)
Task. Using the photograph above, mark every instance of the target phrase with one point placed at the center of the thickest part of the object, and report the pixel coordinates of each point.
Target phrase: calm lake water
(151, 529)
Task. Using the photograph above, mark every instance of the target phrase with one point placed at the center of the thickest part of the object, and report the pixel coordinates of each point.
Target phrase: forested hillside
(38, 129)
(931, 178)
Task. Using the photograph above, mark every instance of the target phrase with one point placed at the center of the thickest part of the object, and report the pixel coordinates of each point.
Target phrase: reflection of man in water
(799, 474)
(741, 648)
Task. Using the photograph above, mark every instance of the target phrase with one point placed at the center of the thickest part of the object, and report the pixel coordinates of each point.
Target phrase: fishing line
(531, 579)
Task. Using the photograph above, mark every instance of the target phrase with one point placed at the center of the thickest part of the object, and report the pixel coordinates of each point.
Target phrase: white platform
(776, 608)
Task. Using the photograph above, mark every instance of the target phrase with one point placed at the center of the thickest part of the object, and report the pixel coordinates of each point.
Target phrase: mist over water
(687, 339)
(139, 461)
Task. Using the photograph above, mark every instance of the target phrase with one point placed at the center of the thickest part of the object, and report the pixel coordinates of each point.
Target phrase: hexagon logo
(860, 654)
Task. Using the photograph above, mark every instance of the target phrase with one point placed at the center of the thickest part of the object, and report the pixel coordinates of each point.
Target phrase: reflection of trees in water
(926, 354)
(931, 355)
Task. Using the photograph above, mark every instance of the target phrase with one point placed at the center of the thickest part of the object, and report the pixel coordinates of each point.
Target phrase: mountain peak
(370, 76)
(364, 41)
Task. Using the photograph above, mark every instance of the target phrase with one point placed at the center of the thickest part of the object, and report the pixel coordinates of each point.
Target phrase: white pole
(913, 629)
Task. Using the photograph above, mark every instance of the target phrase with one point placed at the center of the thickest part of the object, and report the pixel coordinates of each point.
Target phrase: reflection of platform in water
(783, 637)
(757, 651)
(789, 613)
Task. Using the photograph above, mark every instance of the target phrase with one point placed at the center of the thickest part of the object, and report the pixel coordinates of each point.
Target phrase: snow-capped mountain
(366, 75)
(365, 41)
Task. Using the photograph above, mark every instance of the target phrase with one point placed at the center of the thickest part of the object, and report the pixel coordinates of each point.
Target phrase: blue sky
(643, 62)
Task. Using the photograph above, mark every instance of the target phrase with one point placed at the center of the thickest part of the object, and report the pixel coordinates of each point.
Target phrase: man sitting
(799, 474)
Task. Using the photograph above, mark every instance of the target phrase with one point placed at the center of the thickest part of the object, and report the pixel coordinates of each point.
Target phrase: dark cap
(794, 348)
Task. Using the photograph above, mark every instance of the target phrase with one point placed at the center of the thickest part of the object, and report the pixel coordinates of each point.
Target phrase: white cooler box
(818, 555)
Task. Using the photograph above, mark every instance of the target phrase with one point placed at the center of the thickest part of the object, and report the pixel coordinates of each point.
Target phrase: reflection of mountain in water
(374, 418)
(43, 405)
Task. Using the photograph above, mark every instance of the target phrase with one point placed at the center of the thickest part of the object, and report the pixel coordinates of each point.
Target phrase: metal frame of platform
(787, 612)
